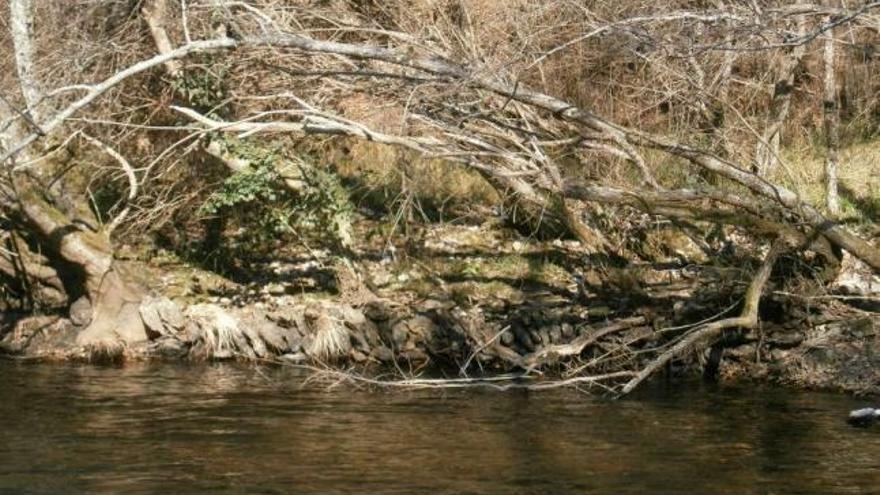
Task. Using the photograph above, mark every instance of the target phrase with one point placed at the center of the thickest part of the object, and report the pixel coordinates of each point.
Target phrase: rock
(378, 311)
(747, 352)
(161, 317)
(353, 316)
(273, 336)
(81, 312)
(275, 289)
(856, 278)
(382, 353)
(421, 326)
(293, 338)
(400, 333)
(24, 331)
(537, 338)
(380, 278)
(524, 339)
(371, 334)
(295, 357)
(507, 338)
(360, 343)
(567, 330)
(786, 340)
(169, 348)
(778, 355)
(433, 305)
(668, 244)
(414, 355)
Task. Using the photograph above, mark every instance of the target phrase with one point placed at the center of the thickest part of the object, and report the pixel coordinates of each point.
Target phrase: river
(180, 429)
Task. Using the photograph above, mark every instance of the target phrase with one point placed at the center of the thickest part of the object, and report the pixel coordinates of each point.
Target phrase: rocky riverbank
(472, 303)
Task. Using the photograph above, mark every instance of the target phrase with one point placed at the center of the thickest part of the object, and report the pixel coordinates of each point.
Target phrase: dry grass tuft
(330, 339)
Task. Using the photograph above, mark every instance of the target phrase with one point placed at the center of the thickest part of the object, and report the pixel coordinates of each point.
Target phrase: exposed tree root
(747, 319)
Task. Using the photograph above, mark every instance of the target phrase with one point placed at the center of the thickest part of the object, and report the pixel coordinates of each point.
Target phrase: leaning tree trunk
(535, 213)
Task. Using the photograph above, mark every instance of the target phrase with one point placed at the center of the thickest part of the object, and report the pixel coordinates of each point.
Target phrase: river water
(231, 429)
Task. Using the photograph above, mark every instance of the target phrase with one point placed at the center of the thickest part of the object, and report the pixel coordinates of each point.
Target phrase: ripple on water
(231, 429)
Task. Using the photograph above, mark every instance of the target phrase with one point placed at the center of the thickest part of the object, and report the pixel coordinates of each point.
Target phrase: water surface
(232, 429)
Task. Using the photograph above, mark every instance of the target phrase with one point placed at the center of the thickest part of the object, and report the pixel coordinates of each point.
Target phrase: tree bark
(21, 21)
(767, 153)
(112, 297)
(154, 13)
(831, 121)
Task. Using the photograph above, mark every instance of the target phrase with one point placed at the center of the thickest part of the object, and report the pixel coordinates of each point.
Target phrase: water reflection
(227, 429)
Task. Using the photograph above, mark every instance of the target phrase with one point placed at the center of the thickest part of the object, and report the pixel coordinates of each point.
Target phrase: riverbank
(475, 300)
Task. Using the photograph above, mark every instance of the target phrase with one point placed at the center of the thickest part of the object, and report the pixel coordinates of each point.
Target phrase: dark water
(225, 429)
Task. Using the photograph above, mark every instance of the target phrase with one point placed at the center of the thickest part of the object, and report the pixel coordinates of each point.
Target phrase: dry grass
(330, 339)
(384, 176)
(219, 332)
(859, 174)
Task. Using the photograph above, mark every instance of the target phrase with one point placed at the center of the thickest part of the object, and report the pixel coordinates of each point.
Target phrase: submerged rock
(863, 417)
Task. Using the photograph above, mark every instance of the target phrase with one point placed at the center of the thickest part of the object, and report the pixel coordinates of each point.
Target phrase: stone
(421, 326)
(274, 289)
(507, 337)
(382, 353)
(161, 317)
(81, 312)
(295, 357)
(17, 340)
(273, 336)
(400, 333)
(856, 278)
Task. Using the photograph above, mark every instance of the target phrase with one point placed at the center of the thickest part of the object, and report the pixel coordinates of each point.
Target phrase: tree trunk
(831, 120)
(106, 297)
(535, 213)
(21, 22)
(102, 295)
(767, 153)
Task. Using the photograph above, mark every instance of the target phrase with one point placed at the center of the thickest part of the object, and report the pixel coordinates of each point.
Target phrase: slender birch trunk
(831, 117)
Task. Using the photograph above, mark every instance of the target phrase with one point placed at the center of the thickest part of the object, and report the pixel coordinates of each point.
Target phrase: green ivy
(258, 197)
(203, 86)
